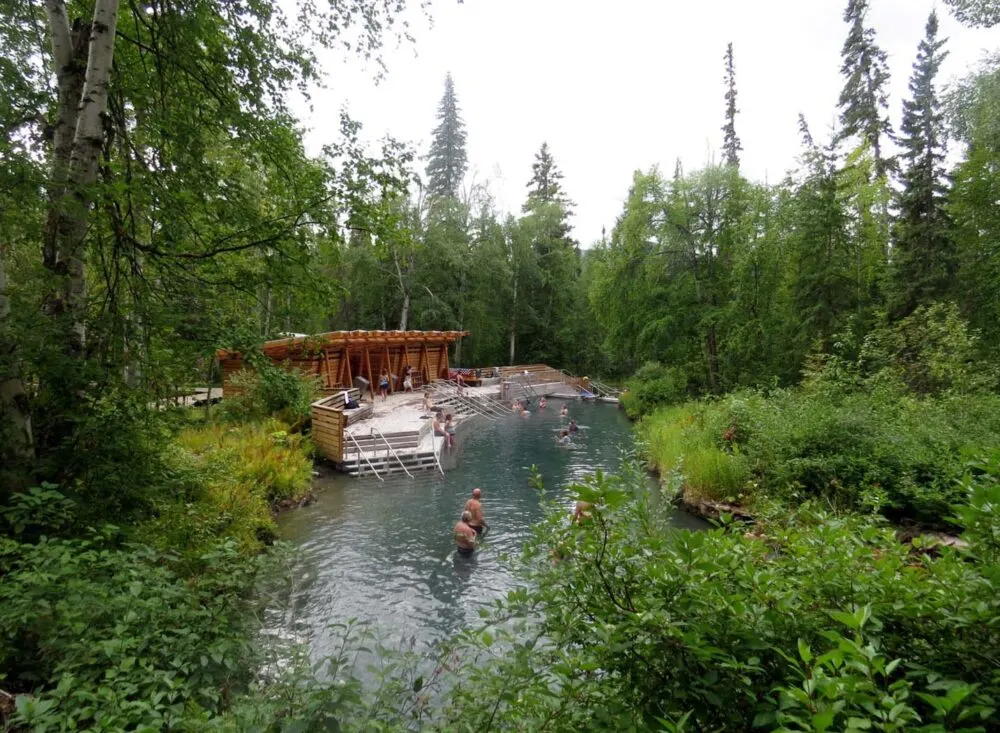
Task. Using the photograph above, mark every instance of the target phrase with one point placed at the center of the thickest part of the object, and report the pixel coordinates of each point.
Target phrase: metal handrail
(485, 408)
(362, 454)
(464, 400)
(528, 389)
(376, 431)
(437, 388)
(434, 450)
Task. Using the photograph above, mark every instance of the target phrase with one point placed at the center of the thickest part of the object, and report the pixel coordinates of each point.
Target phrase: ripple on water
(383, 552)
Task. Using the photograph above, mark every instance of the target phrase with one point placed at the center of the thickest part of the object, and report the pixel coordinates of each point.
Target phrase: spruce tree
(923, 258)
(731, 145)
(447, 163)
(544, 186)
(863, 101)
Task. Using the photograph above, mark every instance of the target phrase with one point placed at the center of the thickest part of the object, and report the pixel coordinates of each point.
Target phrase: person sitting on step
(440, 431)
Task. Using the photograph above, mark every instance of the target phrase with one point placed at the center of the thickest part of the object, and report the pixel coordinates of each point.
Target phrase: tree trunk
(712, 348)
(15, 417)
(69, 56)
(404, 314)
(69, 214)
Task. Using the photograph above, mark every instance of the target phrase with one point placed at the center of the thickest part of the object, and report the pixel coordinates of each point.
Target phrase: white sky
(617, 86)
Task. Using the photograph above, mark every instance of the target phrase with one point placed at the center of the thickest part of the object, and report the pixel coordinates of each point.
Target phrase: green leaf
(804, 652)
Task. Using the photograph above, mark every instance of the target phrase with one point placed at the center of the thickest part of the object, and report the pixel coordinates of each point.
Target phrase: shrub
(652, 386)
(270, 391)
(902, 457)
(114, 638)
(816, 621)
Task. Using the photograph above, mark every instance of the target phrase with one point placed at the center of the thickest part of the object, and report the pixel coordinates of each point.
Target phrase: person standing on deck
(407, 379)
(383, 385)
(475, 510)
(465, 536)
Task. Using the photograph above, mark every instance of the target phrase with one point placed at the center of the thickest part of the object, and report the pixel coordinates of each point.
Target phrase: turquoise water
(383, 552)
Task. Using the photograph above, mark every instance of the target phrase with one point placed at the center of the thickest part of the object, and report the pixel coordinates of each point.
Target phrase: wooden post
(400, 364)
(443, 366)
(347, 368)
(388, 364)
(368, 364)
(425, 362)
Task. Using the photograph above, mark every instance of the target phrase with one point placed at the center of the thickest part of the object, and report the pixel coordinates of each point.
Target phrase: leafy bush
(110, 637)
(813, 621)
(901, 456)
(931, 352)
(652, 386)
(270, 391)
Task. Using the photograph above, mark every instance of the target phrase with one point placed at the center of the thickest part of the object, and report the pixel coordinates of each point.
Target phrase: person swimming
(543, 403)
(475, 509)
(564, 438)
(564, 412)
(573, 427)
(465, 535)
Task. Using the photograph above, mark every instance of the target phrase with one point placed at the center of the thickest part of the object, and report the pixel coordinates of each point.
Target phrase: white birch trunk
(404, 314)
(69, 219)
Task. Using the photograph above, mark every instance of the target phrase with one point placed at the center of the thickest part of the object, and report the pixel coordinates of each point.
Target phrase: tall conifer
(923, 258)
(544, 186)
(731, 145)
(864, 100)
(447, 163)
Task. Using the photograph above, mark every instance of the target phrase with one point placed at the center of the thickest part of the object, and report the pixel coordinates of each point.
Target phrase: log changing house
(337, 357)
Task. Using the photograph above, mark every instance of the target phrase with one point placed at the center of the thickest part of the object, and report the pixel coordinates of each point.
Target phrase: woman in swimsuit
(383, 385)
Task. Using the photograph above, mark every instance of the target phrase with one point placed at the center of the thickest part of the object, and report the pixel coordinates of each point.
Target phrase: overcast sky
(615, 86)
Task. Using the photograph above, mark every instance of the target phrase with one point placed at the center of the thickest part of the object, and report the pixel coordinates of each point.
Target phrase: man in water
(475, 510)
(465, 536)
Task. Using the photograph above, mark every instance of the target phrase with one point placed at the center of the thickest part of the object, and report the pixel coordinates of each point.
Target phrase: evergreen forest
(812, 362)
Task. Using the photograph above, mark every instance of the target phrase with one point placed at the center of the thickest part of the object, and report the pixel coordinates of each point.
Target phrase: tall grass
(243, 473)
(680, 439)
